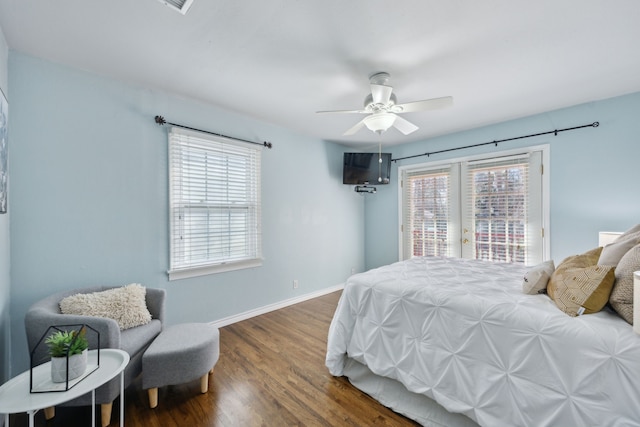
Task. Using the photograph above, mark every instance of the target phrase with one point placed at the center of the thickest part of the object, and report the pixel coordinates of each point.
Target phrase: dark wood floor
(271, 372)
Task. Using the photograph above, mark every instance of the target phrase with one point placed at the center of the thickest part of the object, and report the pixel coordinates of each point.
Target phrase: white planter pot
(77, 366)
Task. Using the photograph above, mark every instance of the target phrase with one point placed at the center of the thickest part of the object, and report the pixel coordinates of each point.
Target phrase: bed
(456, 343)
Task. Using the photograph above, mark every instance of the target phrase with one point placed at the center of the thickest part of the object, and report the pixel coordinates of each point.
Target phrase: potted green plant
(71, 345)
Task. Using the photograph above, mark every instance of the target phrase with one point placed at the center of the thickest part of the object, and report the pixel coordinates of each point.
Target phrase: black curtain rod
(161, 121)
(555, 132)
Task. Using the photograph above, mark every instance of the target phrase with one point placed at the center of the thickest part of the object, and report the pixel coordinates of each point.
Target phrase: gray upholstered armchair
(46, 313)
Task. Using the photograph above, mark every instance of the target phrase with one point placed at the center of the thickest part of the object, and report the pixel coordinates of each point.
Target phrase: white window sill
(186, 273)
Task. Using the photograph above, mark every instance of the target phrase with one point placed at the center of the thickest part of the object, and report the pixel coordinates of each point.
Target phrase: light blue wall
(89, 199)
(593, 174)
(5, 290)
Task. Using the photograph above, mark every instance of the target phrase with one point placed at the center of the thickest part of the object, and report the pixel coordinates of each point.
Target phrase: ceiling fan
(383, 111)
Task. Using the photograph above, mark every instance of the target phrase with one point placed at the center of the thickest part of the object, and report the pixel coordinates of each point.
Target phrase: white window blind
(426, 196)
(496, 209)
(214, 204)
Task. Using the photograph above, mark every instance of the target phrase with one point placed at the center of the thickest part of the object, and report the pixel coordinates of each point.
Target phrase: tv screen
(365, 168)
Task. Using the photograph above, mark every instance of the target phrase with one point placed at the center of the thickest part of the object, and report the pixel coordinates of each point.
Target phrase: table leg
(31, 418)
(122, 398)
(6, 420)
(93, 408)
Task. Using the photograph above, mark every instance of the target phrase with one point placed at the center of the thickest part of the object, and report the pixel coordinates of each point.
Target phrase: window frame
(211, 146)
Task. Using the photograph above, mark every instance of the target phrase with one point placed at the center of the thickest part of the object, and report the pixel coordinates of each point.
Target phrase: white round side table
(15, 396)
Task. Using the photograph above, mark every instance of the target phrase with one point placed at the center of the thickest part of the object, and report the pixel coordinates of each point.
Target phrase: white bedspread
(462, 333)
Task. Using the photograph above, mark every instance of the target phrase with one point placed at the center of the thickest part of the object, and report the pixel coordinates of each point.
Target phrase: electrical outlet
(353, 271)
(295, 284)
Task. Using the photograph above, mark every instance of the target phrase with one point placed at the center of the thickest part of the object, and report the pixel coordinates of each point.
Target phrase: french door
(483, 208)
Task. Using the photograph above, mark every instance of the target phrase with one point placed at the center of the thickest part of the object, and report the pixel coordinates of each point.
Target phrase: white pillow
(536, 279)
(632, 230)
(125, 305)
(613, 252)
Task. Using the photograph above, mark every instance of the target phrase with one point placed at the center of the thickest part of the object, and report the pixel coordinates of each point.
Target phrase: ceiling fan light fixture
(381, 105)
(380, 122)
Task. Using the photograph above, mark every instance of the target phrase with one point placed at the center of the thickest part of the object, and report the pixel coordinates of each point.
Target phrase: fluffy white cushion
(125, 305)
(536, 279)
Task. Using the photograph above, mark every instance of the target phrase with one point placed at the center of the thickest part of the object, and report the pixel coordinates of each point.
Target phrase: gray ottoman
(181, 353)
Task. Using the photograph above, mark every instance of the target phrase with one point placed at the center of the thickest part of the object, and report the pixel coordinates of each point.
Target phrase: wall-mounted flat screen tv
(366, 168)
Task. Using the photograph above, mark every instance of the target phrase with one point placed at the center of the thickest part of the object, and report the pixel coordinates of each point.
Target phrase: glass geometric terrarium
(61, 358)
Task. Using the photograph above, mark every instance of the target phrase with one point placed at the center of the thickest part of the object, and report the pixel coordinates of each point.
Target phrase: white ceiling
(282, 60)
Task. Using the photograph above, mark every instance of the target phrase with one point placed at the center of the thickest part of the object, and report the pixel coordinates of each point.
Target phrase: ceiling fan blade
(354, 129)
(381, 93)
(404, 126)
(427, 104)
(343, 112)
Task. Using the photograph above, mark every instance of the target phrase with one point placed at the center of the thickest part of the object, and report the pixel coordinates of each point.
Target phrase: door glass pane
(499, 195)
(428, 211)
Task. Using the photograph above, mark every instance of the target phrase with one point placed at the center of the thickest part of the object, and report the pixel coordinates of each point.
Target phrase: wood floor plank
(271, 372)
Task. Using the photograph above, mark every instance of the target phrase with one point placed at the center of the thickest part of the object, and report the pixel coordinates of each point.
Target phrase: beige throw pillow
(126, 305)
(621, 298)
(579, 286)
(536, 279)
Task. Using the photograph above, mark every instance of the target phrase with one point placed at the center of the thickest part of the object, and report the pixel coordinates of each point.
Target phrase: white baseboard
(272, 307)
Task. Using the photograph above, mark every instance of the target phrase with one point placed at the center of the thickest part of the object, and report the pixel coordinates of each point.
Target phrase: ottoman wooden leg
(153, 397)
(204, 383)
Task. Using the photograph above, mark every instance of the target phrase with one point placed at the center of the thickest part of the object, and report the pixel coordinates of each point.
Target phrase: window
(214, 186)
(483, 208)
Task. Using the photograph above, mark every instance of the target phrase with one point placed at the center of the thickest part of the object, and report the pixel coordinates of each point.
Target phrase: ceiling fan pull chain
(380, 157)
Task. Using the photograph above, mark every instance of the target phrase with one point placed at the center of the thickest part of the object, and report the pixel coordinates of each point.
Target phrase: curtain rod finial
(160, 120)
(267, 144)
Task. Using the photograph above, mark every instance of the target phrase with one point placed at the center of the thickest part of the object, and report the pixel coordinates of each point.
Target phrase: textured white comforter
(462, 333)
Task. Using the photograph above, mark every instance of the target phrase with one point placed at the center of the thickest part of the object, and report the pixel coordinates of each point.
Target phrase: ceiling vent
(181, 6)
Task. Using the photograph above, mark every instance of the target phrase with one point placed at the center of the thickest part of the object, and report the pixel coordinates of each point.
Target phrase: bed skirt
(395, 396)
